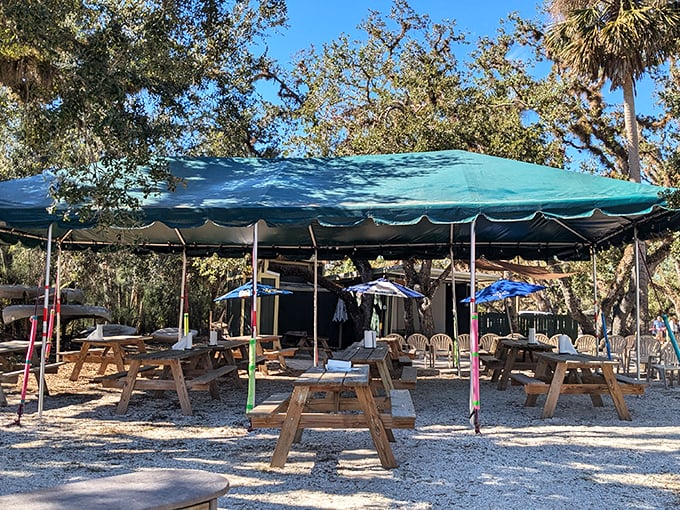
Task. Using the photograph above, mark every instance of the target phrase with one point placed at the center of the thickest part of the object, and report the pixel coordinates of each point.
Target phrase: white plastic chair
(441, 344)
(420, 344)
(586, 344)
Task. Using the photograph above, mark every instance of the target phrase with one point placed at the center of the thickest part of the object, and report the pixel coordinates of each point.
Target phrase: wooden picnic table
(110, 350)
(148, 489)
(182, 370)
(374, 357)
(337, 400)
(10, 369)
(516, 355)
(558, 374)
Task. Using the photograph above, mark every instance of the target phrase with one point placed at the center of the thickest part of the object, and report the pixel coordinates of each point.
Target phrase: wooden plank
(271, 405)
(402, 405)
(202, 381)
(50, 368)
(149, 489)
(408, 379)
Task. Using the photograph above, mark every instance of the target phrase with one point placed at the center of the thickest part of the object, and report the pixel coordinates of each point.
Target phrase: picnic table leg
(290, 425)
(615, 392)
(82, 355)
(128, 386)
(118, 357)
(385, 376)
(502, 353)
(541, 372)
(376, 427)
(181, 387)
(554, 391)
(595, 398)
(3, 398)
(165, 374)
(510, 356)
(206, 364)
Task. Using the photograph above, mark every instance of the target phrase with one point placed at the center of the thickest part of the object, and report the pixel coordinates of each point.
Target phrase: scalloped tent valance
(395, 205)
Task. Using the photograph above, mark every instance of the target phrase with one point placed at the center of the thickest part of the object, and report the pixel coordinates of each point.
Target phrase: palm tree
(615, 40)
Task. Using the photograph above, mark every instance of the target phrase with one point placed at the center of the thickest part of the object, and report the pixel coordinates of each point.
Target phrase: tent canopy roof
(395, 205)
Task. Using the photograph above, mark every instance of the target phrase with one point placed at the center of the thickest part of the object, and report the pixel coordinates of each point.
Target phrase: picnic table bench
(576, 374)
(347, 404)
(153, 489)
(10, 370)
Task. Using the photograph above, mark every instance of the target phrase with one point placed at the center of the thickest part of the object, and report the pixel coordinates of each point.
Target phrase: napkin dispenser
(338, 365)
(565, 345)
(370, 338)
(186, 342)
(532, 336)
(97, 334)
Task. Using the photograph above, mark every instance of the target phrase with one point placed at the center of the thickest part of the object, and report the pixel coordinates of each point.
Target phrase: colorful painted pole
(474, 339)
(27, 367)
(46, 302)
(183, 313)
(252, 345)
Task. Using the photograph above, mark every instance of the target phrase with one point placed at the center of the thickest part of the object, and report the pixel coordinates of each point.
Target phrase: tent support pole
(57, 300)
(454, 302)
(46, 303)
(593, 256)
(637, 302)
(474, 337)
(183, 288)
(252, 350)
(316, 297)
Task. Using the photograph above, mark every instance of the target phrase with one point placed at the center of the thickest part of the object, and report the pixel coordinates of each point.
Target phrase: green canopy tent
(396, 205)
(390, 205)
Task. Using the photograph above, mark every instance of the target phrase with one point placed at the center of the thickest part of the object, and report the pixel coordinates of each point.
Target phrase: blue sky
(316, 22)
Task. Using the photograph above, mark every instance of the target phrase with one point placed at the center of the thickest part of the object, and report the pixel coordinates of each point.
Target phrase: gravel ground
(584, 457)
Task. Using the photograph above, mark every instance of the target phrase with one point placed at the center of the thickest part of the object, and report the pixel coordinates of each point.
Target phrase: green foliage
(122, 84)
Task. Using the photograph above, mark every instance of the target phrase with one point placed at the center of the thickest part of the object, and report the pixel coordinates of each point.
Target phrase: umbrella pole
(595, 303)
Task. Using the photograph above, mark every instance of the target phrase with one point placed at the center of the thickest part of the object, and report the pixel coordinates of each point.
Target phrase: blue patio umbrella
(246, 291)
(501, 289)
(384, 287)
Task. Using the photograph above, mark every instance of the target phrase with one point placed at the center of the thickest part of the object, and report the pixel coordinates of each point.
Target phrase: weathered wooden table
(182, 370)
(372, 356)
(106, 351)
(151, 489)
(558, 374)
(337, 400)
(11, 369)
(516, 355)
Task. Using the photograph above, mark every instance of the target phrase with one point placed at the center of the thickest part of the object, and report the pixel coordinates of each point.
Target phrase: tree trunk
(632, 138)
